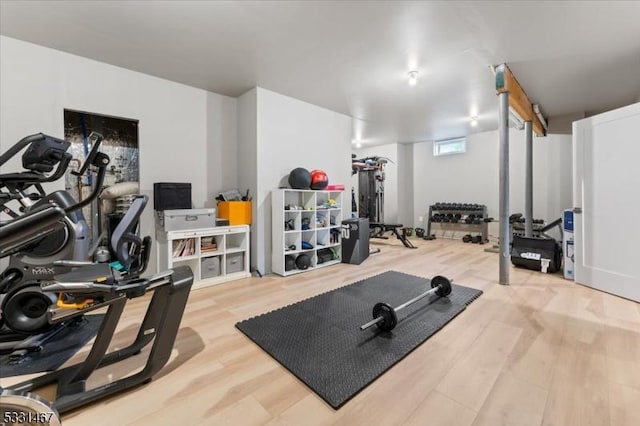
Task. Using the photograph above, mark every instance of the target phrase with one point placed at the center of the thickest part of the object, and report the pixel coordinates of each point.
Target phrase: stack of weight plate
(124, 202)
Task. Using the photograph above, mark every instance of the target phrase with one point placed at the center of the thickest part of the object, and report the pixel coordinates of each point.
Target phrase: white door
(606, 188)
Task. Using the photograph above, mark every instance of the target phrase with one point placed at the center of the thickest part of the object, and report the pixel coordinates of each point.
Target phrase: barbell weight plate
(443, 283)
(388, 315)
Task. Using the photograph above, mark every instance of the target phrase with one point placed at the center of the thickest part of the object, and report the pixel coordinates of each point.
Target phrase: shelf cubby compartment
(235, 242)
(293, 201)
(211, 245)
(308, 237)
(335, 217)
(308, 200)
(308, 219)
(322, 238)
(322, 218)
(292, 219)
(293, 239)
(183, 249)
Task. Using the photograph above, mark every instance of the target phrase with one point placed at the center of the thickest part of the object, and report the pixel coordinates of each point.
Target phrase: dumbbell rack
(480, 211)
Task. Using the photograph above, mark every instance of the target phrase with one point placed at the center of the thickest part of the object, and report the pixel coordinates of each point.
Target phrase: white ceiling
(353, 57)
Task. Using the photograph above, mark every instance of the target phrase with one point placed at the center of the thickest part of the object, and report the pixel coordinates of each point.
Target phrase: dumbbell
(467, 238)
(386, 317)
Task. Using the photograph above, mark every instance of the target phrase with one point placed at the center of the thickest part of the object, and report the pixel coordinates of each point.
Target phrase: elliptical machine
(92, 287)
(24, 326)
(86, 288)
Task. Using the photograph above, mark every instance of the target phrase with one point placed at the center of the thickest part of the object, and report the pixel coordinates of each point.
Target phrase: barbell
(385, 316)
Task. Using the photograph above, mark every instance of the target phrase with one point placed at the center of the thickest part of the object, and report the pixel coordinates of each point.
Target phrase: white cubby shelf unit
(216, 255)
(305, 222)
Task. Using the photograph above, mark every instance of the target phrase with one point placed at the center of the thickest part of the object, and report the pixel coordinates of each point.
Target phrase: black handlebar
(62, 167)
(96, 139)
(101, 161)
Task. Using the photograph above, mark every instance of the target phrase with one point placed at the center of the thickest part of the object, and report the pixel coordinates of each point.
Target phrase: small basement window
(450, 146)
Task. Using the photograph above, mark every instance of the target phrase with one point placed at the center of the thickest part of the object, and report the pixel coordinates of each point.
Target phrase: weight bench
(377, 230)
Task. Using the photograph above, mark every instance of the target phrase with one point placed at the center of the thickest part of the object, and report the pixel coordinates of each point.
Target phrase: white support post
(505, 238)
(528, 183)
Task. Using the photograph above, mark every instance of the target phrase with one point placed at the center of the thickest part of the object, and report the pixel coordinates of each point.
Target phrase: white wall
(247, 160)
(185, 133)
(283, 133)
(473, 177)
(222, 148)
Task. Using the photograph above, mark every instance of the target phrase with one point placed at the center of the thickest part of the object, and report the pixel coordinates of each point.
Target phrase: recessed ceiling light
(413, 78)
(474, 121)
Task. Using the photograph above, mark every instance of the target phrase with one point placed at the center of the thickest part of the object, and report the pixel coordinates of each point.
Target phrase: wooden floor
(542, 351)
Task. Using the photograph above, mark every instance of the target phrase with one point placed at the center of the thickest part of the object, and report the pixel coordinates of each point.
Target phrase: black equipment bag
(529, 253)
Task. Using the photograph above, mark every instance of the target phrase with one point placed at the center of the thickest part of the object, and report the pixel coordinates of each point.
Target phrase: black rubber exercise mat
(319, 339)
(56, 351)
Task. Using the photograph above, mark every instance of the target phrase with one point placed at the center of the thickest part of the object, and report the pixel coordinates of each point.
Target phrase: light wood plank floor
(542, 351)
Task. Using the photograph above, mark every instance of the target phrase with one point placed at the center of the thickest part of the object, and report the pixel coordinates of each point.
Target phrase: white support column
(528, 183)
(505, 238)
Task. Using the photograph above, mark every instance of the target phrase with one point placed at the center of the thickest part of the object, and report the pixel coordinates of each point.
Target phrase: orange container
(236, 212)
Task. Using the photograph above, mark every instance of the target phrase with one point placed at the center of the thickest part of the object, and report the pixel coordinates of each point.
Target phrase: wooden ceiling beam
(518, 100)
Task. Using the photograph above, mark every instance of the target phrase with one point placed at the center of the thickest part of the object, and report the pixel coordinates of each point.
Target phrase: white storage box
(179, 220)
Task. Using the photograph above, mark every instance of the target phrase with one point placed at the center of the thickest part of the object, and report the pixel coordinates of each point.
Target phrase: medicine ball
(289, 263)
(303, 261)
(299, 178)
(319, 179)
